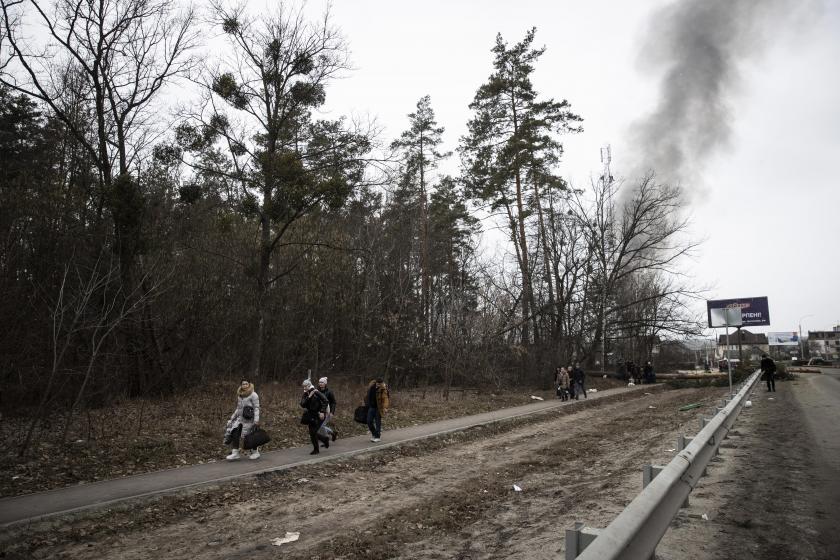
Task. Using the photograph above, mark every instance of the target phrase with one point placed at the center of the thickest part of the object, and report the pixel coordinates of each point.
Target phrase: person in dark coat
(315, 407)
(579, 379)
(637, 374)
(327, 392)
(768, 368)
(378, 401)
(650, 376)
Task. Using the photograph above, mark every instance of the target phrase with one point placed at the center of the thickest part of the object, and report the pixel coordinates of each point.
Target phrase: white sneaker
(234, 455)
(376, 440)
(255, 454)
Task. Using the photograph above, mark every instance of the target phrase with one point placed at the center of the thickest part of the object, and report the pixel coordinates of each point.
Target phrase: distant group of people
(570, 382)
(319, 406)
(630, 371)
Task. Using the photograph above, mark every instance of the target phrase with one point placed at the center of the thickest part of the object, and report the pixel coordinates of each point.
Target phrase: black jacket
(314, 402)
(768, 366)
(330, 398)
(578, 375)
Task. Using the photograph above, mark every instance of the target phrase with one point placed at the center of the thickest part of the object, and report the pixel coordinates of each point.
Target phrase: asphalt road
(821, 408)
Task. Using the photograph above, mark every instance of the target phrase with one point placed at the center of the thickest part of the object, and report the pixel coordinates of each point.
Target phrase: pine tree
(419, 148)
(511, 142)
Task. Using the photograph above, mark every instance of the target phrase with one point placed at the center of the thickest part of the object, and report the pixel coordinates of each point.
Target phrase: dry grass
(143, 435)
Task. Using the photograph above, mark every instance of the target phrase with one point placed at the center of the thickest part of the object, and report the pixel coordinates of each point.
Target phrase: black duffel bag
(360, 414)
(256, 438)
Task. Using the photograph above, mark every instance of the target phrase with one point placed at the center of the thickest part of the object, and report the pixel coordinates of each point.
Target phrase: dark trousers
(374, 422)
(771, 383)
(314, 437)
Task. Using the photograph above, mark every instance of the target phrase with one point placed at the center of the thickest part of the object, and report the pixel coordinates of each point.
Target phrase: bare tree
(120, 53)
(645, 237)
(87, 309)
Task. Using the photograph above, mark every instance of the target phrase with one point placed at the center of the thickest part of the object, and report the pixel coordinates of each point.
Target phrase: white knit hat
(323, 380)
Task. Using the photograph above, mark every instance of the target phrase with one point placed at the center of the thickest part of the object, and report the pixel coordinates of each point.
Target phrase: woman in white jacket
(247, 414)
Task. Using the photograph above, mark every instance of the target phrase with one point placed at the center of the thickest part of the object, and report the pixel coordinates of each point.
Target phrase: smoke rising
(700, 45)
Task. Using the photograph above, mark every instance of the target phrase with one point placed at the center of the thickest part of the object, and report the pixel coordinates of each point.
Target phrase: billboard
(783, 339)
(754, 311)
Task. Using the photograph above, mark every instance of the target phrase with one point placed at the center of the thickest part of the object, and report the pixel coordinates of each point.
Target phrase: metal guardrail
(634, 534)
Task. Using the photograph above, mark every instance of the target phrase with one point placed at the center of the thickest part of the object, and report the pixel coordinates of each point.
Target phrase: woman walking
(245, 418)
(563, 384)
(315, 406)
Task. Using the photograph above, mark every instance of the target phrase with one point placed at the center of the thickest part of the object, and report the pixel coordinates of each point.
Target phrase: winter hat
(323, 380)
(307, 384)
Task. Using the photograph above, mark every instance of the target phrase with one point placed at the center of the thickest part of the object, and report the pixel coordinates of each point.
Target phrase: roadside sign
(783, 339)
(754, 311)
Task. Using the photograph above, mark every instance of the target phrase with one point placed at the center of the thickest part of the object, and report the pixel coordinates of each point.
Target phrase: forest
(172, 213)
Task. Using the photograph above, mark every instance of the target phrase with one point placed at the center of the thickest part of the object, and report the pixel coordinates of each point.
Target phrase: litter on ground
(290, 537)
(592, 391)
(516, 488)
(537, 398)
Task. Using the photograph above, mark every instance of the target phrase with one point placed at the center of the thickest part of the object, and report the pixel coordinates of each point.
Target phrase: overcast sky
(764, 196)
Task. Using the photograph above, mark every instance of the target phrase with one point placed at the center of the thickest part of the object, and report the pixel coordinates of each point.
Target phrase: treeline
(243, 234)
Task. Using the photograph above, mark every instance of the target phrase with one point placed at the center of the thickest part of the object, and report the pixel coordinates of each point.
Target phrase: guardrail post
(578, 539)
(649, 472)
(717, 449)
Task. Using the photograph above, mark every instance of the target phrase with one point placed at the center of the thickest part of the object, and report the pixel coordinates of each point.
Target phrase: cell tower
(606, 158)
(606, 180)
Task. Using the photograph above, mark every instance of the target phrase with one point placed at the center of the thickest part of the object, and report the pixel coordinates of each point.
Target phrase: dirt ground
(771, 494)
(452, 497)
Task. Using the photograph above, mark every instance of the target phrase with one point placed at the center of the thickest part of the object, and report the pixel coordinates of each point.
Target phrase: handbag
(256, 438)
(248, 413)
(322, 430)
(360, 414)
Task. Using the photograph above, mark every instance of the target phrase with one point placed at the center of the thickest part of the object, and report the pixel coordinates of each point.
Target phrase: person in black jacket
(327, 392)
(768, 368)
(315, 405)
(579, 379)
(650, 376)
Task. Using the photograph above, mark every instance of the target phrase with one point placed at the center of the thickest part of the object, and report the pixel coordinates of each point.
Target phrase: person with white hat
(331, 403)
(315, 405)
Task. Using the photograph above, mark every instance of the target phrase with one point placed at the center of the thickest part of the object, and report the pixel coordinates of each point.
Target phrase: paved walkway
(31, 507)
